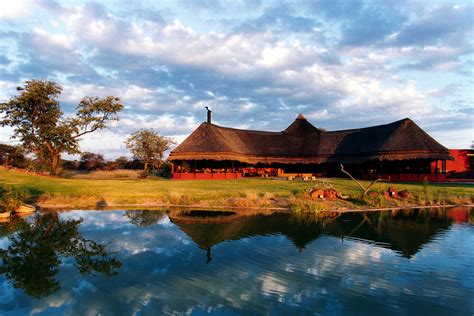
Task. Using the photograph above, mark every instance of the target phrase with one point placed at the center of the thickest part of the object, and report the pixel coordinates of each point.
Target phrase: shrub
(12, 197)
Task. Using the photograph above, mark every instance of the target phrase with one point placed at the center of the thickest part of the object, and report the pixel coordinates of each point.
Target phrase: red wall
(413, 177)
(460, 162)
(206, 176)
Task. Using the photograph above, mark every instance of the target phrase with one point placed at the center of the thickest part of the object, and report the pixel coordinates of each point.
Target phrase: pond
(199, 262)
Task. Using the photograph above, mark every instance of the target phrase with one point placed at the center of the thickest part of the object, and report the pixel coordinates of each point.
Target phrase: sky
(257, 64)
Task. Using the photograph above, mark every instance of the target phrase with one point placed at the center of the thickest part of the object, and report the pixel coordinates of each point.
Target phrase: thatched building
(399, 150)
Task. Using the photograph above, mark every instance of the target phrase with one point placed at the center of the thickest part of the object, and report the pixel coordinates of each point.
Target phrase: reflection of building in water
(405, 231)
(208, 230)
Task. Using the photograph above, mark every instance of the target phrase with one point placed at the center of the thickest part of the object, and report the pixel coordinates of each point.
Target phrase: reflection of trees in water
(145, 218)
(37, 249)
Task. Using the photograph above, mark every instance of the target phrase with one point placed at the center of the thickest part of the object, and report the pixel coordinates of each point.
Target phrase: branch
(95, 127)
(364, 189)
(358, 183)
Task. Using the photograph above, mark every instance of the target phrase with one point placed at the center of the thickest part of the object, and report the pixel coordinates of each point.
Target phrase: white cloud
(14, 10)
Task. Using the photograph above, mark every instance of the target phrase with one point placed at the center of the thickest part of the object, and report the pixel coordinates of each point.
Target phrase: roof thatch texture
(302, 142)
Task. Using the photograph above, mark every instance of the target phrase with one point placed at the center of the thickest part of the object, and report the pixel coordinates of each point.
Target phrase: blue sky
(257, 64)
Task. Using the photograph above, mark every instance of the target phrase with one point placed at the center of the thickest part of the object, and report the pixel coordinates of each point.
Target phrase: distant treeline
(13, 156)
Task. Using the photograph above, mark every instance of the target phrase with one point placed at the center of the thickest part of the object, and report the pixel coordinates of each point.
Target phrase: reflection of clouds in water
(273, 285)
(98, 219)
(108, 219)
(6, 292)
(131, 247)
(83, 287)
(57, 303)
(4, 243)
(165, 271)
(362, 253)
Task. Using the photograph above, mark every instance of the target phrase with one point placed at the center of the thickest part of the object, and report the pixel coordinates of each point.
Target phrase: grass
(254, 192)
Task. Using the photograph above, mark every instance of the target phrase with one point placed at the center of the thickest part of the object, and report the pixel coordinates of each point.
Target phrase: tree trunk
(7, 162)
(55, 162)
(145, 166)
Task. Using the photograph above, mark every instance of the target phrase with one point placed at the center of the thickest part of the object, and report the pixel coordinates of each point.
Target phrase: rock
(392, 192)
(316, 194)
(374, 194)
(330, 194)
(405, 194)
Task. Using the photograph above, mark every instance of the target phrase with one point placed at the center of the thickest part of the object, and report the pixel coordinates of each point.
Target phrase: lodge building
(399, 151)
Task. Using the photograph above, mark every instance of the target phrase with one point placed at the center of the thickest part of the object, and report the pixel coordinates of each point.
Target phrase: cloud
(446, 22)
(344, 64)
(14, 10)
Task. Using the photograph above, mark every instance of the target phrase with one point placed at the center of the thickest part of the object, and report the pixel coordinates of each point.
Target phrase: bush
(142, 175)
(12, 198)
(70, 164)
(164, 170)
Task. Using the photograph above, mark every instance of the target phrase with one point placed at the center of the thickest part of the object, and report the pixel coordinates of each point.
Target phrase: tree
(12, 156)
(40, 125)
(121, 162)
(91, 161)
(148, 146)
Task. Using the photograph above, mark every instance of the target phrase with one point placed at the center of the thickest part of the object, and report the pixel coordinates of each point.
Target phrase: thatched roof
(302, 142)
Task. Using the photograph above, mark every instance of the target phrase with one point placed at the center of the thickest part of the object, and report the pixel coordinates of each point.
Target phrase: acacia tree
(148, 146)
(41, 127)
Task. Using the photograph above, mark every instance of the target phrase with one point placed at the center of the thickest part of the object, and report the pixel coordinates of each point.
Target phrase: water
(152, 262)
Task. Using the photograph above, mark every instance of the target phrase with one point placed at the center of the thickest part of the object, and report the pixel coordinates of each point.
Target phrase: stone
(405, 194)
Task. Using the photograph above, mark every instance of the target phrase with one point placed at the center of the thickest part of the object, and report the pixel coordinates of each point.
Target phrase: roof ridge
(369, 127)
(242, 130)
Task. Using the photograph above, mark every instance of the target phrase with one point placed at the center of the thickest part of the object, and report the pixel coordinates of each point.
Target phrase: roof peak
(300, 127)
(301, 117)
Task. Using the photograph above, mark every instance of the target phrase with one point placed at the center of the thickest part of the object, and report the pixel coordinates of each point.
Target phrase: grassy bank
(86, 193)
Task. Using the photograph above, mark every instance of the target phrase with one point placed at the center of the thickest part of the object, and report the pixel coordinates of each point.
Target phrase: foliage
(148, 146)
(39, 123)
(37, 250)
(164, 170)
(121, 162)
(70, 164)
(12, 197)
(145, 218)
(91, 161)
(12, 156)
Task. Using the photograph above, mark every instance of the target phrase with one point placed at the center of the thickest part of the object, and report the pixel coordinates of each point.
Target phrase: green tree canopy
(148, 146)
(40, 125)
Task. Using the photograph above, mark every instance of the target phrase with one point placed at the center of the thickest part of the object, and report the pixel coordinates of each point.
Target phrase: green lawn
(48, 191)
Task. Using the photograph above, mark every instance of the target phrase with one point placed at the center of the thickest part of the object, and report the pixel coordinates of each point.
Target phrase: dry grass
(86, 193)
(105, 175)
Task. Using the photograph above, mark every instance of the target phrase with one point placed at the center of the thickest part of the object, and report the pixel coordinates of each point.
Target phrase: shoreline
(157, 207)
(238, 194)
